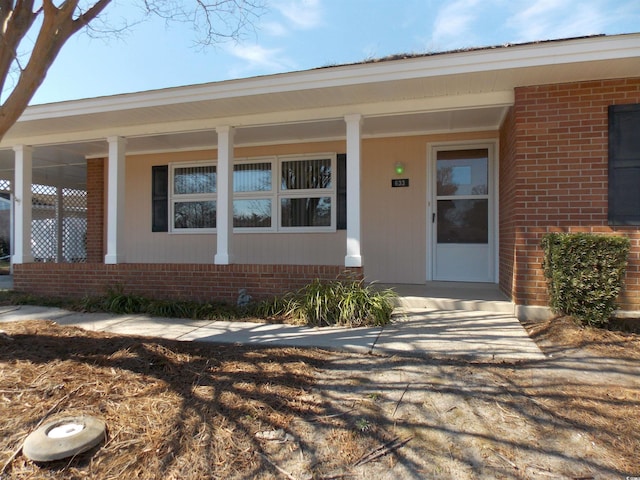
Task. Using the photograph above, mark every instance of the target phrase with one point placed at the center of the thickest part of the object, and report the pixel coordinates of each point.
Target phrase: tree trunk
(58, 25)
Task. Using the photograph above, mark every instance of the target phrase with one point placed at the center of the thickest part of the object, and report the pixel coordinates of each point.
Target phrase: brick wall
(95, 210)
(507, 196)
(171, 281)
(554, 165)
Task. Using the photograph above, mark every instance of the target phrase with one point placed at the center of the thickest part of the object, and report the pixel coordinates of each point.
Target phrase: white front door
(462, 214)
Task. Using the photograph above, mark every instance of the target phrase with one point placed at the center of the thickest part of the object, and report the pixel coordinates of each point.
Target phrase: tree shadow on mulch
(173, 409)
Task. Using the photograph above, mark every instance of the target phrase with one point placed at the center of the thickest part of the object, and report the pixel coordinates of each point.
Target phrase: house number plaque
(399, 182)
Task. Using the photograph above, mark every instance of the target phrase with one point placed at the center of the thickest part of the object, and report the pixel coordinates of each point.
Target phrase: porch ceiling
(65, 164)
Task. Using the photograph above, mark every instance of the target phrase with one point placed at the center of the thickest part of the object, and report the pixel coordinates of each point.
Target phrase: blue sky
(302, 34)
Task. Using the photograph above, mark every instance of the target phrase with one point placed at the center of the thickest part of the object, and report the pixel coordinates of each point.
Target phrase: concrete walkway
(421, 327)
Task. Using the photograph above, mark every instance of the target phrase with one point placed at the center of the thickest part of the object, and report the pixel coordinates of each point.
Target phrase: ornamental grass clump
(343, 303)
(121, 302)
(584, 274)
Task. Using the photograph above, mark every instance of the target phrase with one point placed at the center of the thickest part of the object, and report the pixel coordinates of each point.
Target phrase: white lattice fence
(5, 219)
(59, 224)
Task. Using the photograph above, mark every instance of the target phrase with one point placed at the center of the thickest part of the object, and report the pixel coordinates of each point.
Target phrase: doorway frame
(491, 144)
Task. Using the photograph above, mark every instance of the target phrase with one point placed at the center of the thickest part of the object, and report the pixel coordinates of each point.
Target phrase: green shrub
(117, 301)
(218, 311)
(584, 274)
(346, 303)
(169, 309)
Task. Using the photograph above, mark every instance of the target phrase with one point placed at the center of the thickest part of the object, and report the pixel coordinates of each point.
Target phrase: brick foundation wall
(171, 281)
(557, 168)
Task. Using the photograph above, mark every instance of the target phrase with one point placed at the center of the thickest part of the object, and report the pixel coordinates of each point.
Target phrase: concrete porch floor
(485, 297)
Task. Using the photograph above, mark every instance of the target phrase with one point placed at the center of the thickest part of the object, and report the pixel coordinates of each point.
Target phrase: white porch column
(224, 203)
(22, 195)
(115, 200)
(354, 124)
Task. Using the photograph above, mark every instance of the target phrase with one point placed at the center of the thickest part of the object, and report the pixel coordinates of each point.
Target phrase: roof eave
(455, 63)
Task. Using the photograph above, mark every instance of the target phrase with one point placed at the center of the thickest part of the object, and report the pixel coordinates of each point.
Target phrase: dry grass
(558, 334)
(598, 399)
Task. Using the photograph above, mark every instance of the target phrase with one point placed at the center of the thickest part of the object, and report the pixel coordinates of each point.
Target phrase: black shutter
(624, 164)
(160, 198)
(341, 192)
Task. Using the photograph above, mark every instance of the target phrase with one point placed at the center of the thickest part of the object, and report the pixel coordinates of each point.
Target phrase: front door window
(461, 215)
(462, 196)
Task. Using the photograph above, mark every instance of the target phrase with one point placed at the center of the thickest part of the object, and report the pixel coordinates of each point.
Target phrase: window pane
(305, 212)
(463, 221)
(251, 213)
(189, 180)
(252, 177)
(463, 172)
(625, 196)
(194, 214)
(306, 174)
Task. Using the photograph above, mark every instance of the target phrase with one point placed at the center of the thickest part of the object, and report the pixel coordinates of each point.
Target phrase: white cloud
(256, 58)
(548, 19)
(452, 25)
(301, 14)
(256, 55)
(274, 29)
(467, 23)
(293, 15)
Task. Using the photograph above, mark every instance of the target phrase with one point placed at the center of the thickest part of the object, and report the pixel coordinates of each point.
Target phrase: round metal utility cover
(63, 438)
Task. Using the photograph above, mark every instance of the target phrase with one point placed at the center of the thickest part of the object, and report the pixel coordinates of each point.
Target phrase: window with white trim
(288, 194)
(192, 197)
(285, 194)
(307, 193)
(253, 195)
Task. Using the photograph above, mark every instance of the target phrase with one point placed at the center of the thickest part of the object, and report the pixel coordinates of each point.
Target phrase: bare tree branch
(84, 19)
(214, 21)
(58, 25)
(16, 23)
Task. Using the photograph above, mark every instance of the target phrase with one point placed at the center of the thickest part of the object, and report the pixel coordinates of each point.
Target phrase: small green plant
(91, 304)
(585, 274)
(363, 424)
(218, 311)
(119, 302)
(347, 303)
(169, 309)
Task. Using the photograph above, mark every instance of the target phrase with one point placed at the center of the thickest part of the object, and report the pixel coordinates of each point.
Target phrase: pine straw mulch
(173, 409)
(192, 410)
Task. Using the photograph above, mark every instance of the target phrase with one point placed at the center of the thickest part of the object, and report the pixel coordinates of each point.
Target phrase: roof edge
(397, 67)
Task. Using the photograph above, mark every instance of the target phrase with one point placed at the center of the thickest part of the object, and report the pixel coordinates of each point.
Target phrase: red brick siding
(171, 281)
(560, 179)
(507, 194)
(95, 210)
